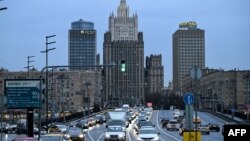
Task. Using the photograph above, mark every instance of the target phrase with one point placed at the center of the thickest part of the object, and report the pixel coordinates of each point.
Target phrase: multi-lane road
(97, 132)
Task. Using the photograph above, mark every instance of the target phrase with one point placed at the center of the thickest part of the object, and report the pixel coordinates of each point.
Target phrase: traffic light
(123, 65)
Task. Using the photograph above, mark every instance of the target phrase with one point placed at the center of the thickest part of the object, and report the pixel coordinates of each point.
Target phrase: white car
(173, 124)
(148, 134)
(115, 133)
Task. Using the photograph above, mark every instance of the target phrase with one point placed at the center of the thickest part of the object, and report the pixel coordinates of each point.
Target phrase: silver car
(204, 128)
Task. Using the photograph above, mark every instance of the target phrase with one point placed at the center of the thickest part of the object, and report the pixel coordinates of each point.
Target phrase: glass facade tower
(82, 45)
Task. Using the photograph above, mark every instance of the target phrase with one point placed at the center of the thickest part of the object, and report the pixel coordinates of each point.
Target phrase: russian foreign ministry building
(122, 41)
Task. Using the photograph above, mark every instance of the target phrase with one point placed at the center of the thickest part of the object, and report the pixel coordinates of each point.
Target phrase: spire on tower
(123, 9)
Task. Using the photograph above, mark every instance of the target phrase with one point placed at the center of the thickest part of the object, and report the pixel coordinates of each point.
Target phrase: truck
(125, 107)
(117, 118)
(116, 126)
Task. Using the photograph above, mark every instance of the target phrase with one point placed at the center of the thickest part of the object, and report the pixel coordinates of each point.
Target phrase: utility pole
(46, 51)
(28, 66)
(30, 114)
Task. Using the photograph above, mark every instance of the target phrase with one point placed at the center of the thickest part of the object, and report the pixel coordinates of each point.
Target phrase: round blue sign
(188, 98)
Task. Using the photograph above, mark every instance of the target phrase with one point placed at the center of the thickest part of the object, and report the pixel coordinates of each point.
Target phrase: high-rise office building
(188, 52)
(123, 42)
(154, 76)
(82, 45)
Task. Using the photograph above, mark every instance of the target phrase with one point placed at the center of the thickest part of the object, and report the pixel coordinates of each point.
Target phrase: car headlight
(67, 135)
(156, 138)
(107, 136)
(81, 135)
(121, 136)
(139, 139)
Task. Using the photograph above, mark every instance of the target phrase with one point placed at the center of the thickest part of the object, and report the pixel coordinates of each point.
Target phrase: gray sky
(24, 25)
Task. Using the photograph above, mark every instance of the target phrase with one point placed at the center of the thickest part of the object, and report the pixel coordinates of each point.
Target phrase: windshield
(74, 131)
(61, 126)
(147, 131)
(114, 129)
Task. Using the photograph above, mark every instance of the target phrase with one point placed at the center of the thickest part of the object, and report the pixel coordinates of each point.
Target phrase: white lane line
(164, 131)
(90, 136)
(130, 128)
(100, 137)
(129, 138)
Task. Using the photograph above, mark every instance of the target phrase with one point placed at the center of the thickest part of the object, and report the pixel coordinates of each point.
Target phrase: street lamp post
(46, 79)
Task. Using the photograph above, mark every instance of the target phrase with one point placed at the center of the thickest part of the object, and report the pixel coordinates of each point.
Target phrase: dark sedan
(83, 124)
(214, 127)
(74, 134)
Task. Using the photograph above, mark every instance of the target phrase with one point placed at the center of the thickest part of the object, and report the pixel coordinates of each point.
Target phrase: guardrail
(227, 118)
(76, 116)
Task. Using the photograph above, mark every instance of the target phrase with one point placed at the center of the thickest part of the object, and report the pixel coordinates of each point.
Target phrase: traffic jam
(122, 124)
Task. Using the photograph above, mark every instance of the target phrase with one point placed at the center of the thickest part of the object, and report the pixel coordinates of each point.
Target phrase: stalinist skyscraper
(122, 41)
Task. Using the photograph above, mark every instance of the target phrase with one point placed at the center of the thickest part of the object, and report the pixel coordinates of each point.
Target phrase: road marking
(90, 136)
(157, 122)
(129, 136)
(100, 137)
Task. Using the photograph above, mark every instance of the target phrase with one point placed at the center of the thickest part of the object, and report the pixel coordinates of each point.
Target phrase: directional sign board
(188, 98)
(22, 93)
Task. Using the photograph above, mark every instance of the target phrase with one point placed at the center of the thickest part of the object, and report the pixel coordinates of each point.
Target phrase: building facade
(71, 91)
(123, 42)
(82, 45)
(220, 90)
(154, 75)
(188, 52)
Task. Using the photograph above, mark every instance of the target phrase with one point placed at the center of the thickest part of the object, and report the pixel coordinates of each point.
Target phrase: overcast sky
(24, 25)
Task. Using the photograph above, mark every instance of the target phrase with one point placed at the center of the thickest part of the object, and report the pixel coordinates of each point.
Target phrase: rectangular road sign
(22, 93)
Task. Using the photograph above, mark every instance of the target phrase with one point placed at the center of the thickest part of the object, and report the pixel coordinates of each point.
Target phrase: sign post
(188, 99)
(196, 74)
(23, 94)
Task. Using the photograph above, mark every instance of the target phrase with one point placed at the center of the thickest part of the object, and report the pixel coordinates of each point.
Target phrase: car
(99, 119)
(51, 137)
(180, 118)
(83, 124)
(197, 120)
(91, 122)
(173, 124)
(74, 133)
(214, 127)
(164, 122)
(21, 128)
(143, 124)
(4, 127)
(204, 128)
(73, 123)
(148, 133)
(57, 128)
(115, 133)
(176, 114)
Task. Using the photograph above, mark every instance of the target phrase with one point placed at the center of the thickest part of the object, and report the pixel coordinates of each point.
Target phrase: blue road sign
(188, 98)
(22, 94)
